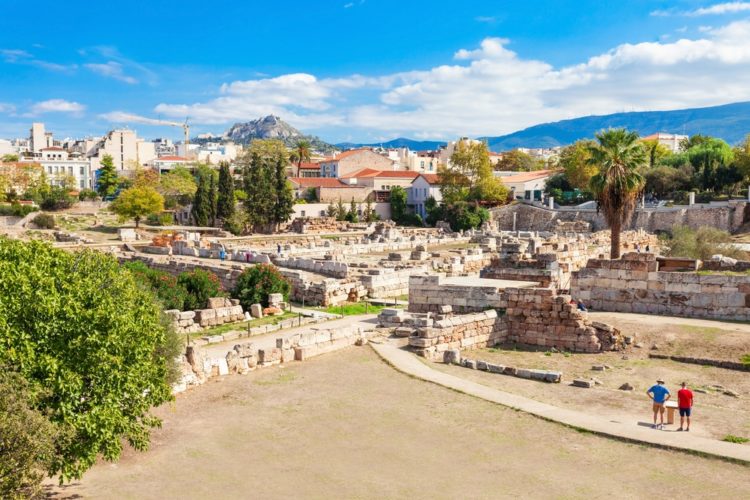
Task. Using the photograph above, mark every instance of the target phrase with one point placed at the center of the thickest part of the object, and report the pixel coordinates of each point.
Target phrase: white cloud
(17, 56)
(125, 117)
(112, 69)
(57, 106)
(485, 19)
(493, 90)
(7, 108)
(721, 8)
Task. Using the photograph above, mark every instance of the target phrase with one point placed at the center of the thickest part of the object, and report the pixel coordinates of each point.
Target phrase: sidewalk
(627, 430)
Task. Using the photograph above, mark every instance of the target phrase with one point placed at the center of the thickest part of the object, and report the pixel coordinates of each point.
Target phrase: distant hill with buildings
(730, 122)
(401, 142)
(272, 127)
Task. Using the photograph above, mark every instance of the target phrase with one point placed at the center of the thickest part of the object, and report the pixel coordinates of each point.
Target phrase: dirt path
(346, 425)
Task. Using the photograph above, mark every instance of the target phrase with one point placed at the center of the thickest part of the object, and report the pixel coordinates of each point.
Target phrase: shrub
(163, 219)
(58, 198)
(729, 438)
(87, 194)
(17, 210)
(460, 215)
(199, 286)
(171, 294)
(78, 327)
(702, 243)
(28, 439)
(255, 284)
(44, 221)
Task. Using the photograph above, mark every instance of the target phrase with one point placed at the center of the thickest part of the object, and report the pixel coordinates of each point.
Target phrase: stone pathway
(625, 429)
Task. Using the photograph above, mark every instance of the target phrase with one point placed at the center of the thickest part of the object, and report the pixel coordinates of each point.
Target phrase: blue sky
(363, 70)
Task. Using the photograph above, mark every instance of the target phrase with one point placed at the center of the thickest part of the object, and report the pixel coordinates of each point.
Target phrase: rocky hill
(272, 127)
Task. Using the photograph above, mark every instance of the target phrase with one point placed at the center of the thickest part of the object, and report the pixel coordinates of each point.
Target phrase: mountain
(272, 127)
(730, 122)
(401, 142)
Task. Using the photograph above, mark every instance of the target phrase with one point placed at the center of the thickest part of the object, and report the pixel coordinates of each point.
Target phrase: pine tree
(284, 198)
(201, 209)
(212, 199)
(340, 211)
(107, 180)
(225, 202)
(369, 214)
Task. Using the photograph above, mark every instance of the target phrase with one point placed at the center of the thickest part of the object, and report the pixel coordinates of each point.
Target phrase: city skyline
(366, 70)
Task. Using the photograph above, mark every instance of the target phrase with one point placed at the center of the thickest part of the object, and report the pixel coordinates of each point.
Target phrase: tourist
(247, 257)
(659, 395)
(685, 405)
(638, 247)
(581, 306)
(222, 254)
(278, 249)
(648, 248)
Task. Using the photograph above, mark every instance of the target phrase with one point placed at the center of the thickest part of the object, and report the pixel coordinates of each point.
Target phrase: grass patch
(745, 360)
(282, 378)
(708, 333)
(355, 308)
(729, 438)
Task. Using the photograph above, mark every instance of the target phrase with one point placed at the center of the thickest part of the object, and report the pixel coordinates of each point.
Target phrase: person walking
(659, 395)
(684, 405)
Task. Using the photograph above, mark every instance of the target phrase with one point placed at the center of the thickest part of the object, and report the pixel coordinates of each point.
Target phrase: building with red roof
(354, 160)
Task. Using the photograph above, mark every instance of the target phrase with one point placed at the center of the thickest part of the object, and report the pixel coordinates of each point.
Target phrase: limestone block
(256, 311)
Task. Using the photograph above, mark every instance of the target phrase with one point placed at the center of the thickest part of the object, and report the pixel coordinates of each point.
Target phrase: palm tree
(300, 154)
(619, 155)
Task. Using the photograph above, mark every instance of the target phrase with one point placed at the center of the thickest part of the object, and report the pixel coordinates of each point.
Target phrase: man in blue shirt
(659, 395)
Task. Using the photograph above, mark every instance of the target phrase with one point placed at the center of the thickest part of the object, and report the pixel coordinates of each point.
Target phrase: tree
(201, 208)
(91, 343)
(136, 203)
(255, 284)
(332, 211)
(225, 201)
(107, 180)
(340, 211)
(27, 439)
(398, 203)
(300, 154)
(178, 187)
(707, 155)
(574, 160)
(213, 198)
(283, 207)
(656, 152)
(352, 215)
(470, 176)
(8, 158)
(518, 161)
(369, 214)
(144, 177)
(619, 156)
(664, 180)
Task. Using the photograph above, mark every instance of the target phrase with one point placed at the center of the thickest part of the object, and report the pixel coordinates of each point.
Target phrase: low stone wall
(459, 332)
(430, 293)
(219, 312)
(727, 216)
(634, 284)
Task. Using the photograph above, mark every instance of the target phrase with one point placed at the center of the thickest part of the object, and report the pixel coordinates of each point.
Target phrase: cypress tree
(201, 209)
(212, 199)
(284, 199)
(225, 202)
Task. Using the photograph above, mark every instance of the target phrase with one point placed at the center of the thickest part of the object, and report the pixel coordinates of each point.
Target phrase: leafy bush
(199, 286)
(163, 219)
(17, 210)
(702, 243)
(87, 195)
(171, 294)
(460, 215)
(28, 439)
(44, 221)
(79, 328)
(57, 199)
(255, 284)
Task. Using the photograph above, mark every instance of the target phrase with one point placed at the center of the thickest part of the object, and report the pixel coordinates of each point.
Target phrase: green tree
(225, 202)
(398, 204)
(656, 152)
(518, 161)
(91, 341)
(332, 211)
(27, 439)
(301, 154)
(107, 179)
(352, 215)
(136, 203)
(161, 283)
(340, 211)
(9, 158)
(256, 283)
(201, 208)
(369, 214)
(470, 176)
(283, 207)
(213, 199)
(619, 156)
(707, 155)
(574, 160)
(664, 180)
(178, 187)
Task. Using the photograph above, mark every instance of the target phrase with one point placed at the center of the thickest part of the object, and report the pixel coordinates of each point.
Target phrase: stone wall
(634, 284)
(430, 293)
(728, 216)
(220, 310)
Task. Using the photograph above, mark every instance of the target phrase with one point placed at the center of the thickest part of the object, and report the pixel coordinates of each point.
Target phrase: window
(70, 170)
(82, 184)
(83, 171)
(49, 169)
(303, 213)
(322, 213)
(421, 164)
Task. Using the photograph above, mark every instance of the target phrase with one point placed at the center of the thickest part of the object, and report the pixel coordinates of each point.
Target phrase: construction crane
(185, 129)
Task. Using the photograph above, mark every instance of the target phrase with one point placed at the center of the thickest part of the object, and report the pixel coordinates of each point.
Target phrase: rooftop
(314, 182)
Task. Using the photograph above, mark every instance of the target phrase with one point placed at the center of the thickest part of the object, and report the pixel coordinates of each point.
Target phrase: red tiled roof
(386, 174)
(351, 152)
(53, 148)
(431, 178)
(309, 166)
(171, 158)
(526, 176)
(327, 182)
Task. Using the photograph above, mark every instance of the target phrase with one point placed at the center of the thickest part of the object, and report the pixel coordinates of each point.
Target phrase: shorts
(659, 407)
(685, 412)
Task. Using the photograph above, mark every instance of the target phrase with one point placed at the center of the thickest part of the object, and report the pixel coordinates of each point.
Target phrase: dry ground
(715, 414)
(346, 425)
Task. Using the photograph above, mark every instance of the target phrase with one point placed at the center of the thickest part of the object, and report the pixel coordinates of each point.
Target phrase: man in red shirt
(685, 405)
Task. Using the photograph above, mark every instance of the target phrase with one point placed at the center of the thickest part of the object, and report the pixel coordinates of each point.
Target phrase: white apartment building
(125, 147)
(671, 141)
(39, 138)
(59, 166)
(423, 187)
